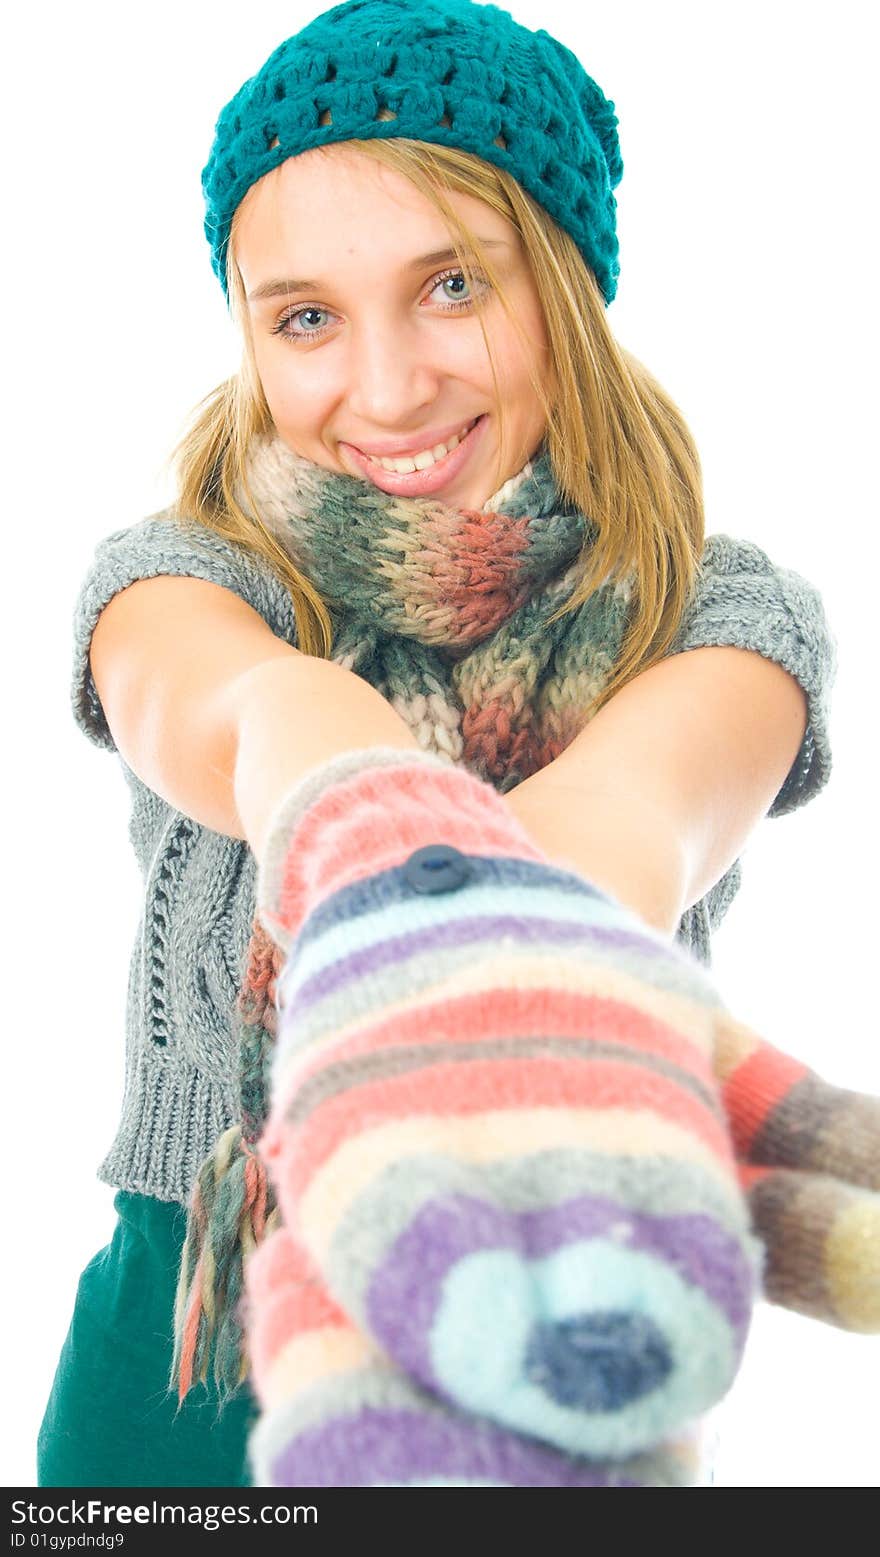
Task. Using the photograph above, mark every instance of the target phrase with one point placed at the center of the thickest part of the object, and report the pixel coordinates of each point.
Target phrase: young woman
(436, 817)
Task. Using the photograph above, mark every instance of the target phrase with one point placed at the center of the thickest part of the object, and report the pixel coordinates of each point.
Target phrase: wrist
(623, 845)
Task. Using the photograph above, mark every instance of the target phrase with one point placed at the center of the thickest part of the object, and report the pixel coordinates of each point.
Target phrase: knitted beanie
(454, 73)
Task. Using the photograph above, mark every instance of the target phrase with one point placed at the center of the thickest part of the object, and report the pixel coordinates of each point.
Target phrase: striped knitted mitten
(494, 1123)
(337, 1413)
(809, 1155)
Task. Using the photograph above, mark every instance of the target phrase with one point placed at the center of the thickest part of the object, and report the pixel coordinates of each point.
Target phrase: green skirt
(110, 1421)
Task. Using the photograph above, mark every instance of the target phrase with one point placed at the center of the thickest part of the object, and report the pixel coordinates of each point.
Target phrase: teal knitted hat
(455, 73)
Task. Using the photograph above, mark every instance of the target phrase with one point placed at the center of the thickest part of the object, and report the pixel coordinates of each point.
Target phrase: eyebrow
(288, 287)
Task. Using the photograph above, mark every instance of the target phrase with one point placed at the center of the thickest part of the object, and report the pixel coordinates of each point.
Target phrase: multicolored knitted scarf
(445, 612)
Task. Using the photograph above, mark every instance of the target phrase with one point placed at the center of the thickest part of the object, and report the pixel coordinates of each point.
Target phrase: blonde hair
(618, 445)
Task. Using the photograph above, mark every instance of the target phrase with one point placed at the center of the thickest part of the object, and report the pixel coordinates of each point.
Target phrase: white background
(748, 286)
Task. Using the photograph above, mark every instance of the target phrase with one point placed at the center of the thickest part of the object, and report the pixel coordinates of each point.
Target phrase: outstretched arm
(656, 796)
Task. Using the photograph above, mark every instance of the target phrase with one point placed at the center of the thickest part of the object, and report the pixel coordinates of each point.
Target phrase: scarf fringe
(232, 1210)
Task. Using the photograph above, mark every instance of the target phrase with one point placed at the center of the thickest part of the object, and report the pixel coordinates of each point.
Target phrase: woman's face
(365, 337)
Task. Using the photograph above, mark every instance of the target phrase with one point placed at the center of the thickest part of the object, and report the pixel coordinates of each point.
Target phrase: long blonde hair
(618, 445)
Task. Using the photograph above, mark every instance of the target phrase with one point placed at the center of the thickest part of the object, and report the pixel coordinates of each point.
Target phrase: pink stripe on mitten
(367, 811)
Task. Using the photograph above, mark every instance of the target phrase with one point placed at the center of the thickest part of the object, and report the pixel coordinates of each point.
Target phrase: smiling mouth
(407, 464)
(422, 474)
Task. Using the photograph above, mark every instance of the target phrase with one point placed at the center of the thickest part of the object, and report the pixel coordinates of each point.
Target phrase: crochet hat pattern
(452, 73)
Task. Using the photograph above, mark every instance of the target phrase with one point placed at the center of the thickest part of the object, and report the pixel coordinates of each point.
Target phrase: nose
(390, 382)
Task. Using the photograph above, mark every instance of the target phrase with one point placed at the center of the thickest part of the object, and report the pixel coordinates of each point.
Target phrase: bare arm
(656, 796)
(622, 842)
(289, 716)
(652, 800)
(215, 713)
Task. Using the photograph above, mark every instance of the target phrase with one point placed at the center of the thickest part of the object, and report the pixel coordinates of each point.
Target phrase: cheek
(518, 348)
(531, 359)
(517, 367)
(291, 396)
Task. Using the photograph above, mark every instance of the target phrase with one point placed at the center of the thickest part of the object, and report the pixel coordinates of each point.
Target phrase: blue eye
(458, 275)
(455, 275)
(283, 329)
(302, 314)
(452, 305)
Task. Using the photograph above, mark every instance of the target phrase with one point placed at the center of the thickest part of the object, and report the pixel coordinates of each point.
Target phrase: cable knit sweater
(199, 886)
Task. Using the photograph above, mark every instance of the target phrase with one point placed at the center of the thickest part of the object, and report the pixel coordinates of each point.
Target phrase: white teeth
(426, 458)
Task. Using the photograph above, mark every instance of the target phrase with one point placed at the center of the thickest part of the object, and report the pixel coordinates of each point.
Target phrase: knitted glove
(494, 1125)
(809, 1161)
(336, 1412)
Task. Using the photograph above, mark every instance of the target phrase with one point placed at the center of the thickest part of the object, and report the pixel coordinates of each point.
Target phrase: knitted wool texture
(505, 1087)
(337, 1413)
(445, 612)
(453, 74)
